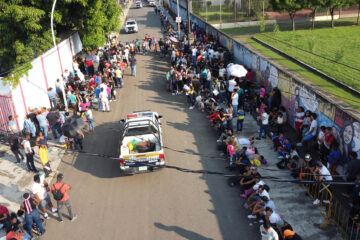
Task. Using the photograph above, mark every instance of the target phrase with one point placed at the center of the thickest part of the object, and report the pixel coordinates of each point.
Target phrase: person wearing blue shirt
(334, 158)
(98, 80)
(97, 91)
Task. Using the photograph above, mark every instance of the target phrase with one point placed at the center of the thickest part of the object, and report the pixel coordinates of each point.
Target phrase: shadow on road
(190, 235)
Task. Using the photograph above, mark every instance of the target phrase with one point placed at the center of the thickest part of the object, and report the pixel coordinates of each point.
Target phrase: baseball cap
(307, 156)
(288, 233)
(60, 176)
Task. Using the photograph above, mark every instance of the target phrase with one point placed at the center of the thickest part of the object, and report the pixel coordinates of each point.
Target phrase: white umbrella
(236, 70)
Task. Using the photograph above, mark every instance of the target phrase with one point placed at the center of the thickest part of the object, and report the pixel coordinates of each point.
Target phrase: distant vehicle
(152, 3)
(141, 145)
(131, 26)
(138, 4)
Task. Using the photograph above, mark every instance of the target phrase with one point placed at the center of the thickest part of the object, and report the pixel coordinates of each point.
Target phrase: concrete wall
(31, 92)
(296, 91)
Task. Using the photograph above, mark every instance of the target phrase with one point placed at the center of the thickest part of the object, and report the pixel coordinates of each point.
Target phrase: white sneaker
(299, 144)
(326, 201)
(261, 221)
(192, 107)
(316, 202)
(251, 216)
(54, 210)
(46, 216)
(271, 134)
(173, 94)
(219, 141)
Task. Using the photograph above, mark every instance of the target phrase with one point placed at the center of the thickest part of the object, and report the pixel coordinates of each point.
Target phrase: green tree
(25, 28)
(289, 6)
(314, 5)
(22, 37)
(332, 5)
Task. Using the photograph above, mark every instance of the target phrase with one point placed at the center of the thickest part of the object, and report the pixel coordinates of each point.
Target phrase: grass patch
(340, 43)
(317, 80)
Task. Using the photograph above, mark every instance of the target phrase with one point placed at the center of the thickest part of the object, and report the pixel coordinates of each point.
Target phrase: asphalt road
(166, 204)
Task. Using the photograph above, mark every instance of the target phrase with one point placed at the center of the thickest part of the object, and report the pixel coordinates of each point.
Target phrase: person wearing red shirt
(14, 233)
(59, 185)
(4, 216)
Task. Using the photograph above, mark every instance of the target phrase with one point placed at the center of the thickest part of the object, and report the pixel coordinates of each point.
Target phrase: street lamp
(54, 40)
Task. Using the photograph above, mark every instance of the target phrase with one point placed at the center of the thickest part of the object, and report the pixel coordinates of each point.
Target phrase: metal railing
(334, 210)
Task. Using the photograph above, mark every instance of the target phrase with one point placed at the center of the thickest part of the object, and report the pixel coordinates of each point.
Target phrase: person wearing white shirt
(267, 232)
(39, 190)
(312, 131)
(29, 153)
(264, 123)
(322, 174)
(104, 100)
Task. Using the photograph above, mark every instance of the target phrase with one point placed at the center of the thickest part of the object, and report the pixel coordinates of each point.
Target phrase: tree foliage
(25, 28)
(289, 6)
(332, 5)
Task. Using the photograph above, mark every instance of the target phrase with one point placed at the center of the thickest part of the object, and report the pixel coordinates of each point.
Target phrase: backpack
(58, 195)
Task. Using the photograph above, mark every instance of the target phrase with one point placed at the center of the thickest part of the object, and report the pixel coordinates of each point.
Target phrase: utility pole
(178, 14)
(189, 10)
(220, 15)
(55, 46)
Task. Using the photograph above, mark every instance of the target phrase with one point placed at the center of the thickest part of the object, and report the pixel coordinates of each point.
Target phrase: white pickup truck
(141, 145)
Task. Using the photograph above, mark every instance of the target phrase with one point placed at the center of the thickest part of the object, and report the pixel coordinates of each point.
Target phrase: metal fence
(226, 11)
(334, 210)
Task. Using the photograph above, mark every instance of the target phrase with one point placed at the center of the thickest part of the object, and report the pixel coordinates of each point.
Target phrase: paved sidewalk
(15, 179)
(290, 199)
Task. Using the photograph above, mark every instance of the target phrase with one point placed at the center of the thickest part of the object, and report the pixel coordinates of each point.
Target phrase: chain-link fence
(225, 11)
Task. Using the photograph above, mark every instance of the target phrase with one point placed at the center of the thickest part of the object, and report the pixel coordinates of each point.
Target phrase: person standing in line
(62, 197)
(14, 146)
(53, 118)
(52, 97)
(29, 153)
(12, 125)
(118, 77)
(132, 61)
(90, 119)
(39, 190)
(104, 100)
(264, 123)
(267, 232)
(235, 102)
(31, 214)
(41, 117)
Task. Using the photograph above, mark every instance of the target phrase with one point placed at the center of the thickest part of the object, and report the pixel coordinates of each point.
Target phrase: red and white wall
(31, 92)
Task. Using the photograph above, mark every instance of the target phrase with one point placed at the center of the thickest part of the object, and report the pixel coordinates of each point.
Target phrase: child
(231, 151)
(240, 120)
(90, 119)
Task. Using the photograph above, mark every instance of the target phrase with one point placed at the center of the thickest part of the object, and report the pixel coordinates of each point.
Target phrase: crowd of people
(199, 71)
(27, 223)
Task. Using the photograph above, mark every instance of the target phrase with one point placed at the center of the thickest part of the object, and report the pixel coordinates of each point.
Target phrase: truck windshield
(140, 131)
(130, 23)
